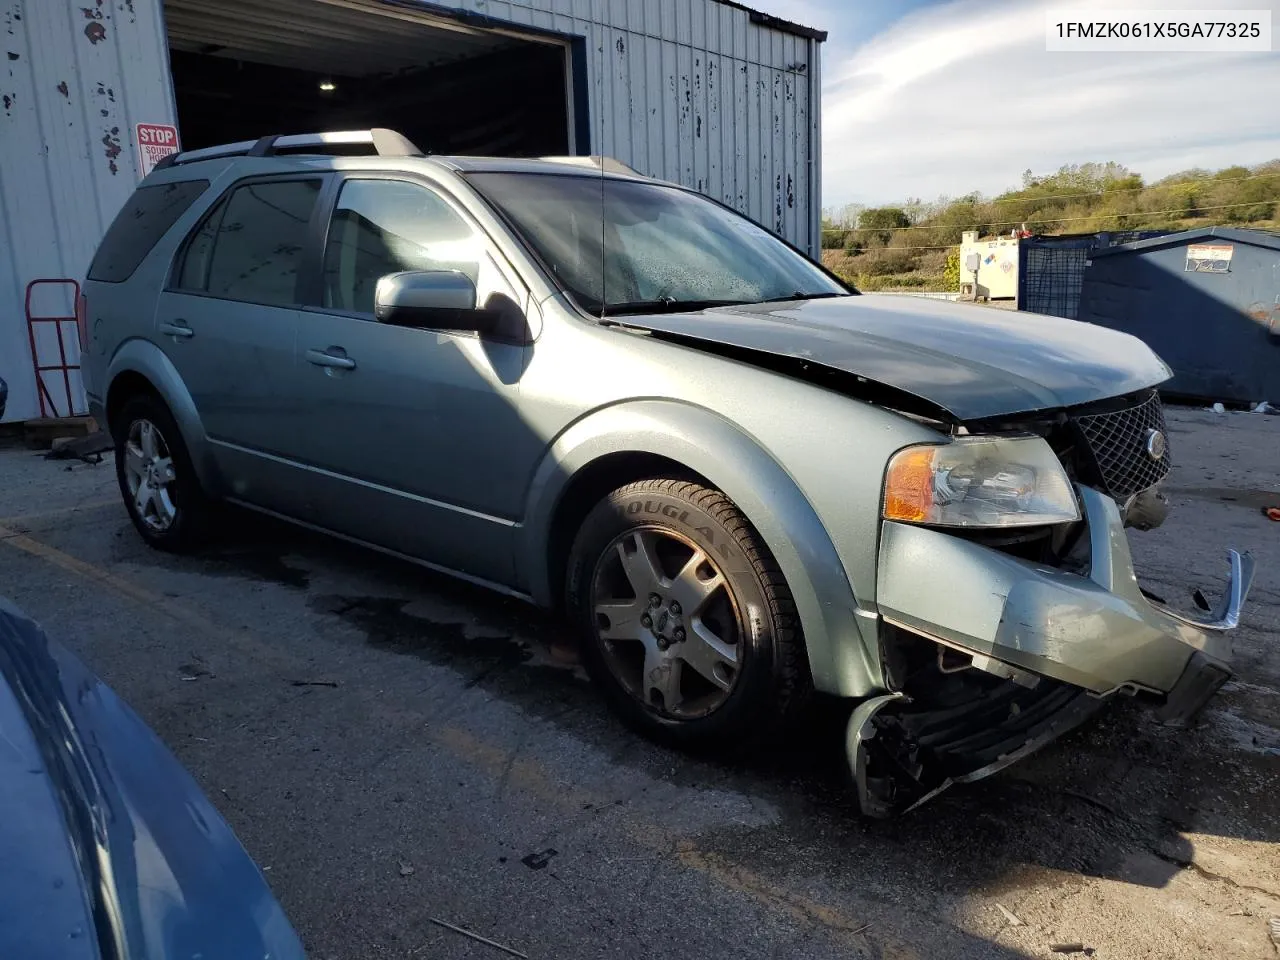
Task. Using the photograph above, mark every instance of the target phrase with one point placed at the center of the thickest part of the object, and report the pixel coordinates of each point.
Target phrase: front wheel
(687, 622)
(156, 477)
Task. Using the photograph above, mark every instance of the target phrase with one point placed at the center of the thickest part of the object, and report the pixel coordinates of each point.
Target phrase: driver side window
(386, 226)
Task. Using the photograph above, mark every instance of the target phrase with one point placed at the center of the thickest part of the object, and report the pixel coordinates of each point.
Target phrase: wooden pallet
(40, 433)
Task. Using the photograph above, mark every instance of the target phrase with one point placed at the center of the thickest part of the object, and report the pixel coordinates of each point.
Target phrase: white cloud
(964, 96)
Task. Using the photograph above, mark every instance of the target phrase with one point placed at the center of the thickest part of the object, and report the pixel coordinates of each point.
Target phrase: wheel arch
(139, 366)
(637, 440)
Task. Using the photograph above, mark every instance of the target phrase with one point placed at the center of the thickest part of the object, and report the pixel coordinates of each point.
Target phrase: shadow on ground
(1110, 800)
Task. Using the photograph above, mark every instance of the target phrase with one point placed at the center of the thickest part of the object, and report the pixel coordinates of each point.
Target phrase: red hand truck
(47, 406)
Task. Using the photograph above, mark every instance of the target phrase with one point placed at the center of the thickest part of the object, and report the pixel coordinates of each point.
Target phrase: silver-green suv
(740, 479)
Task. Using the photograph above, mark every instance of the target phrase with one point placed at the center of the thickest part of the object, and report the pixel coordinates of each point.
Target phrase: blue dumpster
(1207, 301)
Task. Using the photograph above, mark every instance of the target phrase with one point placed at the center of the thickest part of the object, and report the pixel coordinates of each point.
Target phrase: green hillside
(914, 245)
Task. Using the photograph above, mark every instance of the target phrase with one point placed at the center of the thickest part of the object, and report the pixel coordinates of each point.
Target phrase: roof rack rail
(386, 143)
(597, 162)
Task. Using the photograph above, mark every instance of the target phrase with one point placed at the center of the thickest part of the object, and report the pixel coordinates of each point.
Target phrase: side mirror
(433, 299)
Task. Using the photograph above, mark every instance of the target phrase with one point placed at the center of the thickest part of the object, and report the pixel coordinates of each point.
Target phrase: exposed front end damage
(990, 655)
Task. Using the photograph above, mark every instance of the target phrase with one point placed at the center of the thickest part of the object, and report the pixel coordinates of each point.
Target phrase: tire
(666, 679)
(176, 517)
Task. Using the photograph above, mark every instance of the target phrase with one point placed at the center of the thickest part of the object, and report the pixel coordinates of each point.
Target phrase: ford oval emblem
(1156, 444)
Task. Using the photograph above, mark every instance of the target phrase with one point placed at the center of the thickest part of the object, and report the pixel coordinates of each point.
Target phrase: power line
(1150, 186)
(1103, 193)
(1014, 223)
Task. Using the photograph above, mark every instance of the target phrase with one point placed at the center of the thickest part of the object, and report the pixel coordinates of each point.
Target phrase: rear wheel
(156, 477)
(687, 623)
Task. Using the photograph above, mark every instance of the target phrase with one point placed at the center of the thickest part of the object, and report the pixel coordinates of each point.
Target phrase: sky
(930, 98)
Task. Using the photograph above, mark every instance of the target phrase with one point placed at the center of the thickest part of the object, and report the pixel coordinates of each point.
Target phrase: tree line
(914, 237)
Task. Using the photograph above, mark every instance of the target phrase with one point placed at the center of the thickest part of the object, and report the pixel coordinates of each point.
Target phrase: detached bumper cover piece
(904, 754)
(132, 858)
(1087, 636)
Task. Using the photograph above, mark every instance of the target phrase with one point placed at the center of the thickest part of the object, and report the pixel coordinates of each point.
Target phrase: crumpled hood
(972, 361)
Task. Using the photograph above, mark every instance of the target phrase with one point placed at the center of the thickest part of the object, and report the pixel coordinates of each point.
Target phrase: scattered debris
(1218, 408)
(1071, 948)
(1009, 915)
(539, 860)
(194, 671)
(478, 938)
(1265, 407)
(88, 448)
(1240, 912)
(1273, 925)
(1273, 513)
(406, 870)
(861, 929)
(314, 683)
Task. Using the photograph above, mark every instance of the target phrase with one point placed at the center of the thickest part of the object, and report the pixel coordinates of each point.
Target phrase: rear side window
(250, 247)
(143, 220)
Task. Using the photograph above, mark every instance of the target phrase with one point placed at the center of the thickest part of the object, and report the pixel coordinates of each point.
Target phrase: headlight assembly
(979, 482)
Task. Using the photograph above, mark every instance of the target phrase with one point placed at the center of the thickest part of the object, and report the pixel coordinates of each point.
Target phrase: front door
(228, 322)
(412, 440)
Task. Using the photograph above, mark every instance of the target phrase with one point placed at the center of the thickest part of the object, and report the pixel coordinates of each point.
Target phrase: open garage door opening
(249, 68)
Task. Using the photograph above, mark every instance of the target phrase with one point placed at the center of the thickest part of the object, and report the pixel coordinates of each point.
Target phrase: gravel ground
(455, 772)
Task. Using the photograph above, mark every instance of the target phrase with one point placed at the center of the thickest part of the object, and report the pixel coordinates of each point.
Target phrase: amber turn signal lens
(908, 488)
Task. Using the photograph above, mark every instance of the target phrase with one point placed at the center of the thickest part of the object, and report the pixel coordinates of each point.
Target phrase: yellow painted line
(177, 612)
(507, 769)
(27, 519)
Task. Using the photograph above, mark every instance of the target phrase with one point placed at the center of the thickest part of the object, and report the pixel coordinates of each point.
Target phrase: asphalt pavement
(395, 749)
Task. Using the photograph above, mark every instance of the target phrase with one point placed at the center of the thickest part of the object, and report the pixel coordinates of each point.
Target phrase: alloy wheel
(667, 622)
(150, 472)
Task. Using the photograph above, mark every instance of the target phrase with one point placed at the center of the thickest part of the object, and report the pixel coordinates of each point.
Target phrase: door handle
(178, 328)
(323, 358)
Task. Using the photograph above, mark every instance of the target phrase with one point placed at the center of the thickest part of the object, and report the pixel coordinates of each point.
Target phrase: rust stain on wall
(111, 141)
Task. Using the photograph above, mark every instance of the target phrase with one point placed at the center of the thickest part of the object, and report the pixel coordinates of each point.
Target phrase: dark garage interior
(252, 68)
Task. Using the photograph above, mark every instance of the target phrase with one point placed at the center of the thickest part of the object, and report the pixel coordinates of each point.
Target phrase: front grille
(1117, 444)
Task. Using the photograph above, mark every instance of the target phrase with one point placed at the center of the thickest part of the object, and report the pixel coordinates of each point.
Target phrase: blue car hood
(109, 847)
(971, 362)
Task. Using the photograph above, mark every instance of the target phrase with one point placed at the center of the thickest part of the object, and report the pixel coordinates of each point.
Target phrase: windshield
(655, 247)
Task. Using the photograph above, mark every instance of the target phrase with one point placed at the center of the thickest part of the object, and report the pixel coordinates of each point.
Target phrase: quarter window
(139, 225)
(251, 247)
(386, 226)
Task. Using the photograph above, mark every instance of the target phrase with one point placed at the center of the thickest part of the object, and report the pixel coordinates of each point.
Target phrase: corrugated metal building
(706, 93)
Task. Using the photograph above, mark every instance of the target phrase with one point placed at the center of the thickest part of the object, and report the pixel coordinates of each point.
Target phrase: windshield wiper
(806, 296)
(666, 305)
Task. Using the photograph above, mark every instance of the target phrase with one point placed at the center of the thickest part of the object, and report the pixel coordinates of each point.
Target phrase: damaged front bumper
(1045, 649)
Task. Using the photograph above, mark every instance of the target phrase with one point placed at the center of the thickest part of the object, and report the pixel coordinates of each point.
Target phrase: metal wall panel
(74, 80)
(691, 91)
(694, 92)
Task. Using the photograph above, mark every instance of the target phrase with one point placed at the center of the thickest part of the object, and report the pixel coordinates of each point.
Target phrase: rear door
(413, 439)
(228, 321)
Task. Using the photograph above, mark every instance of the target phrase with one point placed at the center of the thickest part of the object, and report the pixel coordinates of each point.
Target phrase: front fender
(144, 358)
(841, 657)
